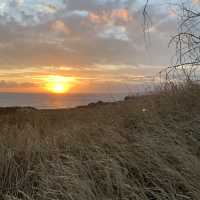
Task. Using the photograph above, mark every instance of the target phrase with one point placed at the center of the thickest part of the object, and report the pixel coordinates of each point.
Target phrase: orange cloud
(95, 18)
(122, 14)
(106, 17)
(60, 26)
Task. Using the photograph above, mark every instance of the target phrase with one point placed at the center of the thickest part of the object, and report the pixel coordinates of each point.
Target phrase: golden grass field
(144, 148)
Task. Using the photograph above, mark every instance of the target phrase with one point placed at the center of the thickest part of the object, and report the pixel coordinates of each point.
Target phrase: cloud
(60, 26)
(113, 16)
(105, 32)
(196, 2)
(80, 13)
(173, 12)
(29, 12)
(114, 32)
(121, 14)
(95, 18)
(46, 8)
(19, 2)
(12, 84)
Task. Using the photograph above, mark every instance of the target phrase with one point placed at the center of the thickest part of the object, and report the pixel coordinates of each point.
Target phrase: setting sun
(59, 84)
(59, 88)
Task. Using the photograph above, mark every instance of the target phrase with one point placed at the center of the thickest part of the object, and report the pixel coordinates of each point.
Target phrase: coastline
(147, 146)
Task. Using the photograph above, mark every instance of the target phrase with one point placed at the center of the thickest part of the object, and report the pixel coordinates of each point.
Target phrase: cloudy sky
(99, 44)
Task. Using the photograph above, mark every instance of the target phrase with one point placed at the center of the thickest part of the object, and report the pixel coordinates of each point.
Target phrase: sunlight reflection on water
(45, 101)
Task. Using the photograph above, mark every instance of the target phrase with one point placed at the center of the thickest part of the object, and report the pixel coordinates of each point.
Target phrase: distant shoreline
(45, 101)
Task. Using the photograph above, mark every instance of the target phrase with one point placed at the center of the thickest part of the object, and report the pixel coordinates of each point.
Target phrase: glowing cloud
(107, 17)
(122, 14)
(59, 84)
(60, 26)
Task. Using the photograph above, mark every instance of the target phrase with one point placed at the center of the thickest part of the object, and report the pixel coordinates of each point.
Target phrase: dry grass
(145, 148)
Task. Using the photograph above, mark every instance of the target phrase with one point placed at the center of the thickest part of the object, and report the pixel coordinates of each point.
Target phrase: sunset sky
(90, 45)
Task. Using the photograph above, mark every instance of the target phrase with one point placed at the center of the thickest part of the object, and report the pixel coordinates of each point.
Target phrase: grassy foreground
(144, 148)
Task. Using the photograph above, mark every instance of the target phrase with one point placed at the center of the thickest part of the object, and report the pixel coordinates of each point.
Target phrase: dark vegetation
(144, 148)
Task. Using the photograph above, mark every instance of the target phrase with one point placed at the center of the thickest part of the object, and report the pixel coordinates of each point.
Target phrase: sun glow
(59, 88)
(59, 84)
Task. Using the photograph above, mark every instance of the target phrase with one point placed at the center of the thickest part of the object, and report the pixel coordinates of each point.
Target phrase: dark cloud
(12, 84)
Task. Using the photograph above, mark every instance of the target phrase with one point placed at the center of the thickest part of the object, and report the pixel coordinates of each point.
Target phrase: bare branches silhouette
(186, 42)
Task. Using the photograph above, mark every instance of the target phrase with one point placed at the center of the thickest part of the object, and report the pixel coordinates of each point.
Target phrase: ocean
(53, 101)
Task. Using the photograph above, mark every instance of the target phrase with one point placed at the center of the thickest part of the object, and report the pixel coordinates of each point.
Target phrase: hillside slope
(144, 148)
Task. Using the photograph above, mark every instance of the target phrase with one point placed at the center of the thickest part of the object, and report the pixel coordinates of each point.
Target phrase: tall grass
(145, 148)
